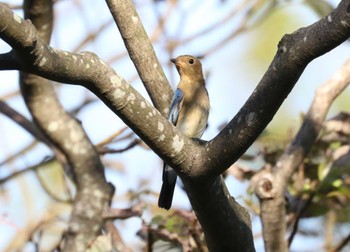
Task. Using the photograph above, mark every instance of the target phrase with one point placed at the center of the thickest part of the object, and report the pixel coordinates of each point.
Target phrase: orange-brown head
(189, 67)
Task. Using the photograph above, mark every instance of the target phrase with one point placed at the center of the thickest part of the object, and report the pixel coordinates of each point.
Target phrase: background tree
(307, 177)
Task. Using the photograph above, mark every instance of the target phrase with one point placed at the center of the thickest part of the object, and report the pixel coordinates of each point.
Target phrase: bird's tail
(166, 195)
(168, 187)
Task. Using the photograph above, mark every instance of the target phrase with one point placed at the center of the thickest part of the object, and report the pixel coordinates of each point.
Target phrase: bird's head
(188, 67)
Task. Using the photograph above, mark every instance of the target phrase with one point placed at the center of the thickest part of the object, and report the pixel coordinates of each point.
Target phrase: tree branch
(294, 53)
(22, 121)
(141, 53)
(226, 225)
(93, 192)
(272, 186)
(32, 55)
(199, 163)
(342, 244)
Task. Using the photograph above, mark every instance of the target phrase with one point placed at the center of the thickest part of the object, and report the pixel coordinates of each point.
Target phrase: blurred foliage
(322, 182)
(271, 20)
(53, 180)
(321, 185)
(177, 229)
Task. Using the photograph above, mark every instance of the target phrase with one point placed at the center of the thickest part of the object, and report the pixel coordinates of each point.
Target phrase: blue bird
(189, 112)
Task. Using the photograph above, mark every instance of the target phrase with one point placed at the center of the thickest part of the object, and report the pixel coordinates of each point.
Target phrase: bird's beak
(173, 60)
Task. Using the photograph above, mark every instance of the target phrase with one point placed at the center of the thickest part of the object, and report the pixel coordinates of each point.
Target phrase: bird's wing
(174, 111)
(169, 175)
(176, 106)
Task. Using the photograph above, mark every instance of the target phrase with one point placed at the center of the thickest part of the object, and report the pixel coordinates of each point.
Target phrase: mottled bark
(199, 163)
(271, 187)
(141, 53)
(67, 136)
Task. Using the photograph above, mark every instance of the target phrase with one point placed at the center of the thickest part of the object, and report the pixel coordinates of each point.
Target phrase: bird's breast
(194, 114)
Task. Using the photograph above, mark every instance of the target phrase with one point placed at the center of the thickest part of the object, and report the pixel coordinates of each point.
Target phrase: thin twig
(298, 217)
(21, 121)
(271, 210)
(19, 153)
(342, 244)
(20, 172)
(117, 240)
(92, 36)
(110, 138)
(104, 150)
(217, 24)
(123, 214)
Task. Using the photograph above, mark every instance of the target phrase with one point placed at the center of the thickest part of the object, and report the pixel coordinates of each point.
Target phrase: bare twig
(342, 244)
(111, 137)
(122, 214)
(298, 217)
(92, 36)
(104, 150)
(22, 121)
(69, 138)
(20, 172)
(10, 95)
(272, 196)
(206, 191)
(19, 153)
(217, 24)
(117, 241)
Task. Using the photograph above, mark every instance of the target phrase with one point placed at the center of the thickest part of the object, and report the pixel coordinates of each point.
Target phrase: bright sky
(232, 75)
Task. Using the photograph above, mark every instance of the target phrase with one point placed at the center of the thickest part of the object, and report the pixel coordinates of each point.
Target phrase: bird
(189, 112)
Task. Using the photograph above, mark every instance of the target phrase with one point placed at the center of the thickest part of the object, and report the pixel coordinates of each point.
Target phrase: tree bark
(68, 138)
(198, 163)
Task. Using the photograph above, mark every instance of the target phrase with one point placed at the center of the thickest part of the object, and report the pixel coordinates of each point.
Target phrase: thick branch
(225, 223)
(142, 53)
(272, 196)
(191, 160)
(93, 192)
(295, 51)
(32, 55)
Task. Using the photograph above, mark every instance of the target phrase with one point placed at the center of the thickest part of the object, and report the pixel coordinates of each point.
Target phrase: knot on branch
(265, 187)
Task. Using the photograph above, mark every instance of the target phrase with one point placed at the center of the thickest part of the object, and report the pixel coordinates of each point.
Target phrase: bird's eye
(191, 61)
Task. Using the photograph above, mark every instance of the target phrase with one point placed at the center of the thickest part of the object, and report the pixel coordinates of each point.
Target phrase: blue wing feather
(169, 175)
(175, 107)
